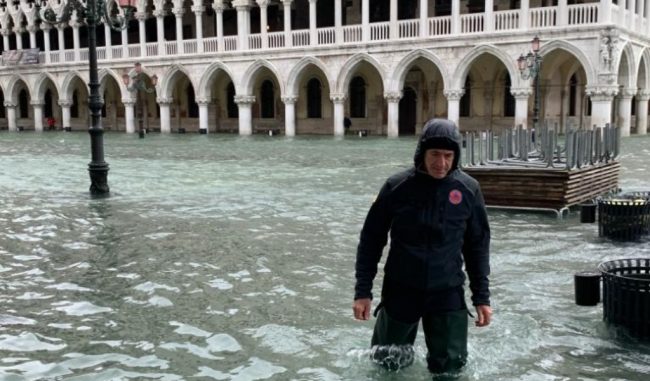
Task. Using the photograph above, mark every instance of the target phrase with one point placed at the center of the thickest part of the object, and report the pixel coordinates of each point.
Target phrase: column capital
(158, 13)
(10, 104)
(18, 29)
(128, 102)
(244, 99)
(178, 12)
(262, 3)
(338, 98)
(643, 95)
(32, 28)
(393, 97)
(65, 102)
(203, 101)
(601, 93)
(454, 94)
(164, 101)
(219, 6)
(287, 3)
(45, 27)
(521, 93)
(141, 16)
(627, 93)
(37, 103)
(242, 5)
(60, 27)
(198, 9)
(289, 99)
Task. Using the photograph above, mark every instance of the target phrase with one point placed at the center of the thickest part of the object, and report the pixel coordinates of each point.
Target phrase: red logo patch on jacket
(455, 197)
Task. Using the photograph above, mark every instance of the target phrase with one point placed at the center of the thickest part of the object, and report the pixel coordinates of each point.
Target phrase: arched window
(74, 109)
(23, 104)
(573, 95)
(466, 99)
(357, 93)
(508, 98)
(192, 107)
(233, 110)
(313, 98)
(47, 108)
(268, 100)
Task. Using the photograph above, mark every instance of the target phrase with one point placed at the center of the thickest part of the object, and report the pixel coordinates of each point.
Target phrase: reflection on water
(231, 258)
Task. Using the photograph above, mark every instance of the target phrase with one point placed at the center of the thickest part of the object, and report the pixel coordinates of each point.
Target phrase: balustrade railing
(544, 17)
(152, 49)
(276, 40)
(326, 36)
(211, 45)
(439, 26)
(189, 47)
(83, 54)
(101, 53)
(134, 51)
(583, 14)
(171, 48)
(379, 31)
(117, 52)
(255, 41)
(68, 55)
(300, 37)
(506, 20)
(471, 23)
(230, 43)
(409, 28)
(352, 33)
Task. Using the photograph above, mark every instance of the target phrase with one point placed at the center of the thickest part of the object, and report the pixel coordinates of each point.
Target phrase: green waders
(445, 334)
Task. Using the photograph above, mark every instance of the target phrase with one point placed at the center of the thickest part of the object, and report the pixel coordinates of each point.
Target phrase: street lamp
(93, 12)
(530, 66)
(138, 85)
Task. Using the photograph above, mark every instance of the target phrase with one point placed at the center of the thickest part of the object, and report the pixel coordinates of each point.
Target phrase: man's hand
(361, 308)
(483, 315)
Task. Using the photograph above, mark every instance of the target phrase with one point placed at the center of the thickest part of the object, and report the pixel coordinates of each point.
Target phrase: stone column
(338, 22)
(32, 35)
(313, 33)
(339, 113)
(424, 18)
(288, 42)
(524, 14)
(625, 110)
(394, 32)
(562, 13)
(601, 104)
(365, 20)
(46, 40)
(245, 103)
(642, 16)
(19, 37)
(243, 22)
(160, 31)
(393, 113)
(263, 4)
(5, 38)
(179, 12)
(74, 23)
(632, 19)
(198, 9)
(622, 10)
(218, 7)
(455, 16)
(129, 114)
(11, 115)
(142, 17)
(453, 104)
(59, 29)
(489, 16)
(605, 12)
(165, 118)
(521, 105)
(37, 106)
(204, 126)
(642, 112)
(65, 113)
(125, 44)
(289, 115)
(109, 43)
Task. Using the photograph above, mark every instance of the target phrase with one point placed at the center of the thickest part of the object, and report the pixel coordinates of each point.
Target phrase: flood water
(231, 258)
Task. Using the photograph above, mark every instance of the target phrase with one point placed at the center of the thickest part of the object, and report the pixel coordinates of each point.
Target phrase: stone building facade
(303, 66)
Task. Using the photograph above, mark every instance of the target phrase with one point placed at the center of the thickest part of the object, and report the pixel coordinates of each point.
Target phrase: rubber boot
(392, 342)
(446, 337)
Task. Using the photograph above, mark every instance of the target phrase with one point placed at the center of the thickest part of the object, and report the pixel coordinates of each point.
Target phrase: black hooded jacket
(434, 225)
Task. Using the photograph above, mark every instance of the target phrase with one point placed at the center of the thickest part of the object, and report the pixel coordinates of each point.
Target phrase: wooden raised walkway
(543, 188)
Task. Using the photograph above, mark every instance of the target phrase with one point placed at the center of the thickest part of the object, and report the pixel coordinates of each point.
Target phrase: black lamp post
(136, 78)
(93, 12)
(530, 67)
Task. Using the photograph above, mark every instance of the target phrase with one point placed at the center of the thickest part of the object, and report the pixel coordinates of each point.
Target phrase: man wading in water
(436, 217)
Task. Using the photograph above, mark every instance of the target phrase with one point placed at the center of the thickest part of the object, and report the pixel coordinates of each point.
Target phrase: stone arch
(586, 63)
(399, 75)
(40, 85)
(103, 76)
(298, 70)
(250, 76)
(348, 70)
(628, 81)
(166, 86)
(643, 82)
(458, 79)
(66, 84)
(205, 83)
(13, 87)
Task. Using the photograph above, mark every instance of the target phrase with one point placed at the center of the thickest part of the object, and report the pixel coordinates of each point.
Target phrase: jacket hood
(438, 133)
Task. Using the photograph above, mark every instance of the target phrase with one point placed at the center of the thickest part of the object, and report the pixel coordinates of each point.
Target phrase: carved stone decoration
(454, 94)
(338, 98)
(164, 101)
(601, 93)
(393, 97)
(10, 104)
(643, 95)
(290, 99)
(627, 93)
(608, 48)
(65, 103)
(521, 93)
(245, 99)
(203, 101)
